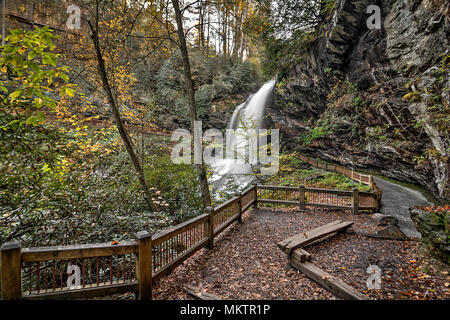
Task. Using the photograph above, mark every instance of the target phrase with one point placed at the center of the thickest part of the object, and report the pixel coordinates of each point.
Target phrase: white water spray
(249, 115)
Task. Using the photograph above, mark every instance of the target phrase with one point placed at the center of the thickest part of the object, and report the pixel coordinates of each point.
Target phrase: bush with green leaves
(62, 184)
(30, 80)
(213, 79)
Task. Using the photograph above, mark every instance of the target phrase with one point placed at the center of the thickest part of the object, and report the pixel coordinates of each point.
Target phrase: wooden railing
(84, 271)
(313, 197)
(368, 199)
(102, 269)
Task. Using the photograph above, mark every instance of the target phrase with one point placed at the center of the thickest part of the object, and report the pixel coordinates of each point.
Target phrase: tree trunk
(225, 34)
(207, 34)
(237, 38)
(191, 97)
(201, 27)
(117, 118)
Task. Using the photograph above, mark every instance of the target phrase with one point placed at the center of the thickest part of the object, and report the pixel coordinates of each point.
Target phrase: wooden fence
(313, 197)
(372, 199)
(85, 271)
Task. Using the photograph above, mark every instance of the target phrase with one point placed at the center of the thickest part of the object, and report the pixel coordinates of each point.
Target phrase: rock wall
(374, 99)
(435, 229)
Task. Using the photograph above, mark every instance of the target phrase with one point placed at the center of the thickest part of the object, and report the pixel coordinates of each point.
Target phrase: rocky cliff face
(375, 99)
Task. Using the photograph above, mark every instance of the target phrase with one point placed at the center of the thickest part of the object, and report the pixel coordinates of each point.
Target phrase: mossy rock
(433, 223)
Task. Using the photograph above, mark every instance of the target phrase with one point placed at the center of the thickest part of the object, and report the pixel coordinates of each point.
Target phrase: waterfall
(254, 109)
(249, 114)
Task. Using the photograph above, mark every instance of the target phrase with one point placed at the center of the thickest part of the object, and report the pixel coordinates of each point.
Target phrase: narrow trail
(396, 200)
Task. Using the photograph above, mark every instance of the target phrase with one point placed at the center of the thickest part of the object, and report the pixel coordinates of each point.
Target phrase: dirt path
(396, 201)
(247, 264)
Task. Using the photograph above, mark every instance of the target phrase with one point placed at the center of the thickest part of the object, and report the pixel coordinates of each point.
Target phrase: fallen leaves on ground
(247, 264)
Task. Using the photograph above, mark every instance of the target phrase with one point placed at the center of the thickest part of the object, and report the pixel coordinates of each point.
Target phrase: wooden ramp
(301, 260)
(303, 239)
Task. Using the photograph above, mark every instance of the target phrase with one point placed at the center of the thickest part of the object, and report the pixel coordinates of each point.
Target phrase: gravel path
(396, 200)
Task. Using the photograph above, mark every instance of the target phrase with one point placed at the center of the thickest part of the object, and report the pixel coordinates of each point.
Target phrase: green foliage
(178, 185)
(213, 79)
(288, 16)
(328, 6)
(54, 193)
(295, 172)
(63, 183)
(30, 79)
(376, 133)
(321, 130)
(439, 105)
(281, 54)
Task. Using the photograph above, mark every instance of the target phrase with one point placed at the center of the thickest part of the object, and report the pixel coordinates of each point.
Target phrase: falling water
(250, 112)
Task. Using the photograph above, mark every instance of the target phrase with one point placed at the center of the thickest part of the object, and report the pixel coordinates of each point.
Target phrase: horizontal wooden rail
(155, 256)
(85, 293)
(327, 206)
(357, 176)
(226, 204)
(78, 251)
(251, 203)
(294, 203)
(226, 224)
(267, 187)
(315, 197)
(174, 231)
(329, 191)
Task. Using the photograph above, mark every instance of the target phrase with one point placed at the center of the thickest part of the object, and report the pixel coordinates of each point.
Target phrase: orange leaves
(437, 208)
(410, 293)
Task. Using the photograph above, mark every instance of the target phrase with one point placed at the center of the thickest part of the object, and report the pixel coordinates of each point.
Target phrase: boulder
(385, 219)
(391, 232)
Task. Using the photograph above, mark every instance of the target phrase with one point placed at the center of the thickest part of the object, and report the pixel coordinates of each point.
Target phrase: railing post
(255, 204)
(301, 201)
(10, 271)
(355, 206)
(240, 207)
(210, 211)
(144, 265)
